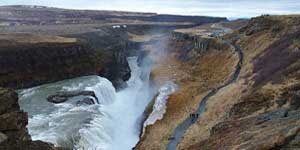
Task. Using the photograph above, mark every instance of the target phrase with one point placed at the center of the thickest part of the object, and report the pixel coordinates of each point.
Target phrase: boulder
(61, 97)
(86, 101)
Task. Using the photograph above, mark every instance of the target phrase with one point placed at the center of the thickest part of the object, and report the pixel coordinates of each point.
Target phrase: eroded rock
(13, 121)
(87, 101)
(61, 97)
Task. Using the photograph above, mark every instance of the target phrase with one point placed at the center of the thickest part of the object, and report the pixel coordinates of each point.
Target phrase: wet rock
(118, 71)
(87, 101)
(119, 83)
(13, 122)
(8, 100)
(61, 97)
(116, 46)
(57, 99)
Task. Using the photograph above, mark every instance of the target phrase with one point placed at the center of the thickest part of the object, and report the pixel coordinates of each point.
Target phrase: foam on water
(114, 124)
(160, 104)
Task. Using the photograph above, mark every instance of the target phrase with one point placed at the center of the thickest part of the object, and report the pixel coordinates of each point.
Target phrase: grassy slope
(195, 77)
(270, 69)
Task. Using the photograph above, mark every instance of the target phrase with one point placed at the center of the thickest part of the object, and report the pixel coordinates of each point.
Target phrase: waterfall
(114, 124)
(160, 104)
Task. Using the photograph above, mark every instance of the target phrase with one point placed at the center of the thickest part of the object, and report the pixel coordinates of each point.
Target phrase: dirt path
(183, 126)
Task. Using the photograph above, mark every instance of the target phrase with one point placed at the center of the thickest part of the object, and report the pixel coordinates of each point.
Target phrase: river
(114, 124)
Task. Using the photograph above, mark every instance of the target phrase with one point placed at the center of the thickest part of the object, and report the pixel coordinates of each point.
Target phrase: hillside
(258, 110)
(40, 15)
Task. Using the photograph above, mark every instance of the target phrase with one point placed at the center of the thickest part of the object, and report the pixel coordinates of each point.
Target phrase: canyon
(167, 81)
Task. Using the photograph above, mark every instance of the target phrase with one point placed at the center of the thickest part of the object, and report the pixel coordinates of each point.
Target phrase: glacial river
(114, 124)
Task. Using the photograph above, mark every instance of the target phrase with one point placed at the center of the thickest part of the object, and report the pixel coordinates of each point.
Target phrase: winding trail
(189, 121)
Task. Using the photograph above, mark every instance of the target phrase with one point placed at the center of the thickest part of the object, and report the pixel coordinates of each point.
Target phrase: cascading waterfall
(160, 103)
(114, 124)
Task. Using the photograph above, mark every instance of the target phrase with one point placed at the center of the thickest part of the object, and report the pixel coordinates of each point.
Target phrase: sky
(223, 8)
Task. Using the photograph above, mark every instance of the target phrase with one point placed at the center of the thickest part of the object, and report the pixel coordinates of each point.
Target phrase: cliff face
(197, 45)
(13, 121)
(115, 44)
(29, 63)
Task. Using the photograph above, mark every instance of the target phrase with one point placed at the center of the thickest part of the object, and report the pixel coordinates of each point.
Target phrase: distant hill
(14, 15)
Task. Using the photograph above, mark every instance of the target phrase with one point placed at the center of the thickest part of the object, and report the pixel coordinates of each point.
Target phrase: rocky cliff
(196, 45)
(28, 60)
(13, 121)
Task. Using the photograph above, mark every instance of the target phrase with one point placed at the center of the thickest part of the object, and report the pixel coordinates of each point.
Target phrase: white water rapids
(114, 124)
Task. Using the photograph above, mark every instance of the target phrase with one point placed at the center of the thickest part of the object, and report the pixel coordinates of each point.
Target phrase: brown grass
(195, 80)
(266, 55)
(35, 38)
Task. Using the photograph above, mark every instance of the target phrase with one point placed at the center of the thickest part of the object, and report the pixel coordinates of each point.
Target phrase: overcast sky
(224, 8)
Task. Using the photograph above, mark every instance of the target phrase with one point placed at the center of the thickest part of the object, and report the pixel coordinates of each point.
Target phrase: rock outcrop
(61, 97)
(13, 121)
(115, 44)
(196, 45)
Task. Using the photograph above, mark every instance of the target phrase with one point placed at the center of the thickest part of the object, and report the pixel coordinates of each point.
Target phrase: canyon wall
(13, 131)
(29, 63)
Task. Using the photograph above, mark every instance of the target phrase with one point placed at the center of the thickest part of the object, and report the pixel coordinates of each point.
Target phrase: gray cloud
(225, 8)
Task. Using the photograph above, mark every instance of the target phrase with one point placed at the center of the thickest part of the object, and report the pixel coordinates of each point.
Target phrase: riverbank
(195, 75)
